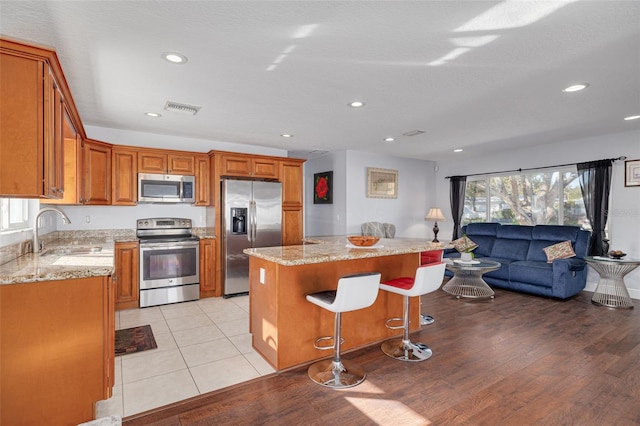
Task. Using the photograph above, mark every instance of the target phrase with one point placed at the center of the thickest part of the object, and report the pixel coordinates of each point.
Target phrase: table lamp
(436, 215)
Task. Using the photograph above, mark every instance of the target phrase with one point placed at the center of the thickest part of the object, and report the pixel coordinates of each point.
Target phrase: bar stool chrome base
(336, 375)
(405, 350)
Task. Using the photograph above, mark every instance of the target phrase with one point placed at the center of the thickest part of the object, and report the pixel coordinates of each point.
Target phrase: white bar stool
(428, 279)
(354, 292)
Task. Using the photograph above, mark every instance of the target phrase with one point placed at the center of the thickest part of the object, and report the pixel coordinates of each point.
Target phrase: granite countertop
(331, 249)
(61, 261)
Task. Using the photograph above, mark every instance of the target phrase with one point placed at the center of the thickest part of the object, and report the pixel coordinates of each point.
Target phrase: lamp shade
(435, 214)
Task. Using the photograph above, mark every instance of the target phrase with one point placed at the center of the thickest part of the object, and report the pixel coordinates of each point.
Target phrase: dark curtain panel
(457, 185)
(595, 183)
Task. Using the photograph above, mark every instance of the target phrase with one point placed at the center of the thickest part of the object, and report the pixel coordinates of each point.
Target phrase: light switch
(263, 274)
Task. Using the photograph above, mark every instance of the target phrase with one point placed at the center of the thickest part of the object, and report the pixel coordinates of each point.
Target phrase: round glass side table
(467, 278)
(611, 290)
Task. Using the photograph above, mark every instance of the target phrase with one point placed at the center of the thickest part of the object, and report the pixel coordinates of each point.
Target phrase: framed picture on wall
(632, 173)
(382, 183)
(323, 188)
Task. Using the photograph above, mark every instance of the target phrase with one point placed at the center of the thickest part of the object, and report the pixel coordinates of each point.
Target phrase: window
(548, 197)
(14, 213)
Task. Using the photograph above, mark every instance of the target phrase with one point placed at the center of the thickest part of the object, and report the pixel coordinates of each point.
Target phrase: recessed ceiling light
(632, 117)
(174, 58)
(389, 139)
(356, 104)
(286, 135)
(457, 150)
(152, 114)
(576, 87)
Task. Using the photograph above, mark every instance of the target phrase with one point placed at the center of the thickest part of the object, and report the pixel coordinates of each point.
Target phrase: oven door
(168, 264)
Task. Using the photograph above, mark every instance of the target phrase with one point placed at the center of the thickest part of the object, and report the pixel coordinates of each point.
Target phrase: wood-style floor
(514, 360)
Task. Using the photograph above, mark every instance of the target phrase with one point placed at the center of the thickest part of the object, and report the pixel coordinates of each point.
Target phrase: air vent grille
(414, 133)
(181, 108)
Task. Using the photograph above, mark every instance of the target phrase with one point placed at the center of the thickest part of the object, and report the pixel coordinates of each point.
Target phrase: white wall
(624, 205)
(416, 182)
(326, 219)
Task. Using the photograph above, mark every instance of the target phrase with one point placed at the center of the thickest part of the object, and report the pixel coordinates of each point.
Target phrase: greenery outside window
(543, 197)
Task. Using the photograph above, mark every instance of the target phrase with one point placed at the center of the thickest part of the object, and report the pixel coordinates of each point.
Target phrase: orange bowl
(363, 240)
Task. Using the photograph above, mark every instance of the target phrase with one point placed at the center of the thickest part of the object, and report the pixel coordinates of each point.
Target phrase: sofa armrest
(572, 264)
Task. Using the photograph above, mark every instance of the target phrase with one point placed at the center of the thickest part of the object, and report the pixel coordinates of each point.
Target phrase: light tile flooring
(202, 346)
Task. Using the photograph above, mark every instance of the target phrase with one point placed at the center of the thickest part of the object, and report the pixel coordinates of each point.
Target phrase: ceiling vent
(181, 108)
(414, 133)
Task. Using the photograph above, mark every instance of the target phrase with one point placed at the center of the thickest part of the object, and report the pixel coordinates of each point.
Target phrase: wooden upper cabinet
(249, 166)
(291, 176)
(33, 100)
(96, 166)
(203, 181)
(53, 138)
(157, 161)
(124, 176)
(180, 164)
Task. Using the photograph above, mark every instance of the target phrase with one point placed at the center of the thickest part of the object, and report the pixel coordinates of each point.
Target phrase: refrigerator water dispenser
(239, 220)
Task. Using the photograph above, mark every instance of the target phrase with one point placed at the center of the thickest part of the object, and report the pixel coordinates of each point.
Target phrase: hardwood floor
(514, 360)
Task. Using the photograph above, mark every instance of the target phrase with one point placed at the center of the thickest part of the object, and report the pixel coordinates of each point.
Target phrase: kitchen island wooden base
(284, 324)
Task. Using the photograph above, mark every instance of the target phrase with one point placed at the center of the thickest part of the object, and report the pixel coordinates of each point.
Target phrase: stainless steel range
(169, 261)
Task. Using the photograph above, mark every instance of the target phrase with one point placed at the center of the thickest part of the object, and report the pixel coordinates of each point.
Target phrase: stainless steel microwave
(158, 188)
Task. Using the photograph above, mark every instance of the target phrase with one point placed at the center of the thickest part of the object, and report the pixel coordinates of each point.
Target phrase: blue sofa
(524, 265)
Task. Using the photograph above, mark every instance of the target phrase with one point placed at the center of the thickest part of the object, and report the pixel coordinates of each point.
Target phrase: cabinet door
(150, 161)
(124, 176)
(53, 139)
(127, 276)
(291, 178)
(264, 167)
(96, 165)
(292, 226)
(72, 165)
(180, 164)
(207, 267)
(22, 128)
(203, 181)
(235, 165)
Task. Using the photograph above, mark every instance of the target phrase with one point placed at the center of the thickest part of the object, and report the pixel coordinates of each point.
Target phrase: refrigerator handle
(253, 220)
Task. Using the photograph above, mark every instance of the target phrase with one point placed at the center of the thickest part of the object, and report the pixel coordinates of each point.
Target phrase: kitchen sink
(65, 251)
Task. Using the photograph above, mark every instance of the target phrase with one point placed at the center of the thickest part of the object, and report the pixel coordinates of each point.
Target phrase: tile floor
(202, 346)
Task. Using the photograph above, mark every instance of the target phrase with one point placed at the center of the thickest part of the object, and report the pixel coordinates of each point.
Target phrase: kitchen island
(284, 324)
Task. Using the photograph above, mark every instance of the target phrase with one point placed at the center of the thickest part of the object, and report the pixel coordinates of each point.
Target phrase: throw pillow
(561, 250)
(464, 244)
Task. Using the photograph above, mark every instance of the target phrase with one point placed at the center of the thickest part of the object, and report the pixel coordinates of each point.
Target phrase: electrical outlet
(87, 219)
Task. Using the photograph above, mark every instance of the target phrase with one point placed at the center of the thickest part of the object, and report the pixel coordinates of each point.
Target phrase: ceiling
(477, 75)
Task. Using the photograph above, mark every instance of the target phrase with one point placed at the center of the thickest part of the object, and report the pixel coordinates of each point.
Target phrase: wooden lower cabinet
(126, 279)
(207, 267)
(56, 340)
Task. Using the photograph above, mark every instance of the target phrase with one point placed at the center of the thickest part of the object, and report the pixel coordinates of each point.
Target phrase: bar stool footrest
(388, 322)
(323, 339)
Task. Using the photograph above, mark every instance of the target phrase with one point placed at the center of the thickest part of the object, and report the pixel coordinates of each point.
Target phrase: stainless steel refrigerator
(251, 217)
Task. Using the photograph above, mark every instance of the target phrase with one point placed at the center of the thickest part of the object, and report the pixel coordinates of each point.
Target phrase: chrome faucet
(65, 219)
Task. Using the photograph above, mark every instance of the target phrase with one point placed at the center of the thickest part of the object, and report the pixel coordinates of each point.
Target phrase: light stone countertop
(51, 267)
(332, 249)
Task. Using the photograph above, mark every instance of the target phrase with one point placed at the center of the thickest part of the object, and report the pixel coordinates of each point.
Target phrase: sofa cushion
(503, 272)
(561, 250)
(485, 228)
(516, 232)
(510, 249)
(538, 273)
(555, 233)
